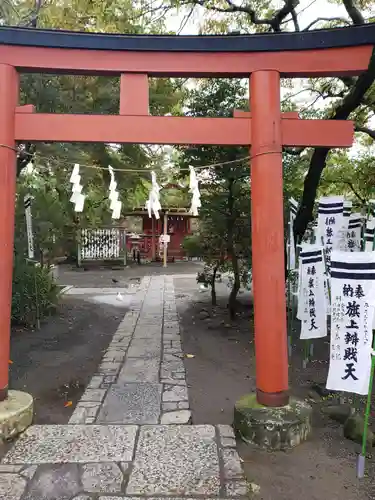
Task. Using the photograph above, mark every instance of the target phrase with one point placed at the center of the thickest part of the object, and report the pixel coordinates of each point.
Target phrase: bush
(35, 293)
(192, 245)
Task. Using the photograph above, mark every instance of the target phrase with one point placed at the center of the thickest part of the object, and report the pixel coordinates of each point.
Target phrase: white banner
(343, 233)
(369, 235)
(353, 300)
(330, 223)
(29, 225)
(347, 213)
(291, 243)
(354, 233)
(312, 300)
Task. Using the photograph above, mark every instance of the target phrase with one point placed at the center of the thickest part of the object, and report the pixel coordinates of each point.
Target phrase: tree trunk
(231, 251)
(235, 288)
(213, 286)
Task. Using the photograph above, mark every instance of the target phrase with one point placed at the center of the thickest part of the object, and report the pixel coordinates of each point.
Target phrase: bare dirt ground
(56, 363)
(222, 370)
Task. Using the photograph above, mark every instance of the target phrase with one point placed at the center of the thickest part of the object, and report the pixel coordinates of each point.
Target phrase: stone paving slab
(132, 403)
(145, 348)
(73, 443)
(75, 462)
(140, 370)
(172, 459)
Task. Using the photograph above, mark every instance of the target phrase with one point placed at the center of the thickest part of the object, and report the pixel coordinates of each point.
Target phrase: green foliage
(192, 245)
(353, 177)
(224, 237)
(54, 220)
(35, 294)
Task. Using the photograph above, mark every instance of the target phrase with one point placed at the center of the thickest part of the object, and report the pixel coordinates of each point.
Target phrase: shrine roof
(306, 40)
(170, 211)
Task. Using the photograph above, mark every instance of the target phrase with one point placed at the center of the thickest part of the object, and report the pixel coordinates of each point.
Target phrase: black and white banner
(347, 212)
(352, 314)
(312, 304)
(369, 235)
(344, 231)
(29, 225)
(330, 224)
(293, 206)
(354, 233)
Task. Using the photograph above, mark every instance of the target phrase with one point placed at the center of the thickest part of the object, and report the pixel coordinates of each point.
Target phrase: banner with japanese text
(312, 299)
(29, 225)
(354, 233)
(293, 207)
(330, 224)
(352, 315)
(369, 235)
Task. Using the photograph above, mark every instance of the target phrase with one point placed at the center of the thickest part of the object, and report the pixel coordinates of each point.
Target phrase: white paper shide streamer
(116, 204)
(29, 225)
(312, 304)
(352, 315)
(194, 190)
(77, 198)
(153, 203)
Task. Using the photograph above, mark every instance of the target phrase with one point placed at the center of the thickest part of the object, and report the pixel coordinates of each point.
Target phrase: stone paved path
(129, 435)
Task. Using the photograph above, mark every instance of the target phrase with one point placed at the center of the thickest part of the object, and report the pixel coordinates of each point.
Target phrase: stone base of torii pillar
(272, 428)
(16, 414)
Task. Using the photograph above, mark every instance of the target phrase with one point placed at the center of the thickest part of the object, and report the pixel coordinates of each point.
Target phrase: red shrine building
(180, 224)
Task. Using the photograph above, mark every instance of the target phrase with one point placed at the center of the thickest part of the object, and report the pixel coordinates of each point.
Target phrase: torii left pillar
(9, 92)
(16, 408)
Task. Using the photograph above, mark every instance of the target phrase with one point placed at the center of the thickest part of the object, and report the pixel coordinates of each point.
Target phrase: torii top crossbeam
(334, 52)
(264, 58)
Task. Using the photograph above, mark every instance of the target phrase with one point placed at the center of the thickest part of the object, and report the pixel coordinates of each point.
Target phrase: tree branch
(353, 12)
(342, 19)
(365, 130)
(274, 22)
(318, 160)
(246, 9)
(350, 184)
(32, 18)
(295, 20)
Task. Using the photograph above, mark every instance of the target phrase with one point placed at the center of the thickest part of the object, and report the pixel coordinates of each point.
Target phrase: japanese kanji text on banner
(352, 314)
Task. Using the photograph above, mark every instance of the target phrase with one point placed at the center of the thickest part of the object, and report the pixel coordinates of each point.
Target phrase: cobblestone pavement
(130, 434)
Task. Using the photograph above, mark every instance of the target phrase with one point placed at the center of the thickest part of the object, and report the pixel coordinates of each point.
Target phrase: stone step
(87, 462)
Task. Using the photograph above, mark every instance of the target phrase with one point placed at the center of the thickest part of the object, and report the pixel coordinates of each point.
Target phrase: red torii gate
(264, 58)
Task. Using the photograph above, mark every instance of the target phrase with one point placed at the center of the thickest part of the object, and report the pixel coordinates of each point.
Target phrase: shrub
(35, 293)
(192, 245)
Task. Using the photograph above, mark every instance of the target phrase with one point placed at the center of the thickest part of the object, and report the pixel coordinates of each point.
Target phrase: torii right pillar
(268, 240)
(270, 417)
